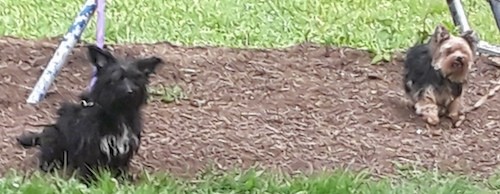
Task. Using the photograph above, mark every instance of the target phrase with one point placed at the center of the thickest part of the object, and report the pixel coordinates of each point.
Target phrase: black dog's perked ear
(148, 65)
(99, 57)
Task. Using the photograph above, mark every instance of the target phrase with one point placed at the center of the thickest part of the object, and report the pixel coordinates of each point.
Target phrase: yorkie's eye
(448, 51)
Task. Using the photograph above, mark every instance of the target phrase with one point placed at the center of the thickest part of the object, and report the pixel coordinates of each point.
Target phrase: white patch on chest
(118, 145)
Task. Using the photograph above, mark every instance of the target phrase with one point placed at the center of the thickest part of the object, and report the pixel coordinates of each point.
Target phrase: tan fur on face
(454, 58)
(453, 55)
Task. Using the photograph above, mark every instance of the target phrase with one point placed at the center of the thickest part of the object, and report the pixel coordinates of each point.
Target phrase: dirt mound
(302, 108)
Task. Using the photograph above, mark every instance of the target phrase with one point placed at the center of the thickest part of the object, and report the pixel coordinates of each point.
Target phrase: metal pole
(56, 63)
(460, 20)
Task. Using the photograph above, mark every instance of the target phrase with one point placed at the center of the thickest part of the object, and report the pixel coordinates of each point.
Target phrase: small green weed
(169, 94)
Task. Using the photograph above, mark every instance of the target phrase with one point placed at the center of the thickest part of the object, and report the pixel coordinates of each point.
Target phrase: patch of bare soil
(302, 108)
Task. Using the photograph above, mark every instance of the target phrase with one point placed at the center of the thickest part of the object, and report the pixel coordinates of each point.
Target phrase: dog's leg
(51, 157)
(454, 110)
(122, 173)
(427, 108)
(46, 163)
(120, 169)
(87, 174)
(48, 160)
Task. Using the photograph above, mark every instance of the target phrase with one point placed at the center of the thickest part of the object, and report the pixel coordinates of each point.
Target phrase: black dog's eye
(116, 76)
(138, 76)
(135, 76)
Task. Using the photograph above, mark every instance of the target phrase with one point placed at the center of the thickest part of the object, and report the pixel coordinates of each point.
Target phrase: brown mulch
(301, 108)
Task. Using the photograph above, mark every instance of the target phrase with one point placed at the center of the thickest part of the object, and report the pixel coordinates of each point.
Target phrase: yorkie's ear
(471, 38)
(440, 35)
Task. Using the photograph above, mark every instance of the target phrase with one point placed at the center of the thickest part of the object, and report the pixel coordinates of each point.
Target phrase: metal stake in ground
(460, 19)
(55, 64)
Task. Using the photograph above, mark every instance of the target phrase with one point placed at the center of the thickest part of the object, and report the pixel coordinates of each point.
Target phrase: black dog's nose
(460, 59)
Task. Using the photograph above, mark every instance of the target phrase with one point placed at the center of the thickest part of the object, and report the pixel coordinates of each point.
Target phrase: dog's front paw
(47, 166)
(431, 119)
(456, 119)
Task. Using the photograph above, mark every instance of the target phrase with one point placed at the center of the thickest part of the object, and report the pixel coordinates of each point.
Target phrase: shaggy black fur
(419, 70)
(105, 131)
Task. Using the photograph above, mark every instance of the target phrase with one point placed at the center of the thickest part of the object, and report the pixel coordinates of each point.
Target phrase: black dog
(435, 73)
(105, 130)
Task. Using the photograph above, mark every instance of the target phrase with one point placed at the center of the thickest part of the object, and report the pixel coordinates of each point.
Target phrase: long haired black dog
(103, 131)
(435, 73)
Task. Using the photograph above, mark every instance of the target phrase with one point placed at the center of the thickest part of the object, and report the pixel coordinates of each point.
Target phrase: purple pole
(101, 17)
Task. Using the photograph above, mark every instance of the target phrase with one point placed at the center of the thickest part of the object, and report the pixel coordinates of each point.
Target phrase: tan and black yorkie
(435, 72)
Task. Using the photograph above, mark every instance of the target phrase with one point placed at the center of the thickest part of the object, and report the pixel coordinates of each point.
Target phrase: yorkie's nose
(460, 59)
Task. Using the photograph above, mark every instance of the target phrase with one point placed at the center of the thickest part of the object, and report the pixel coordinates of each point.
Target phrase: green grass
(379, 26)
(256, 182)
